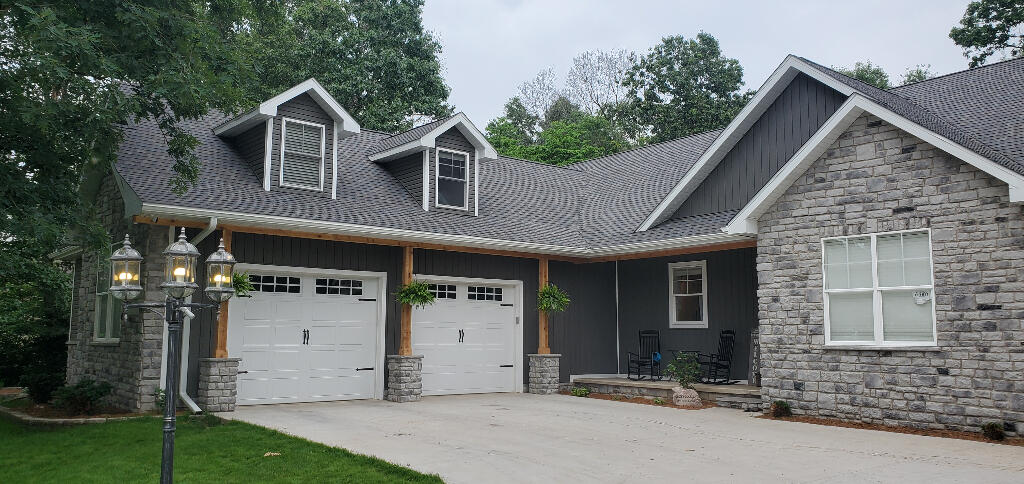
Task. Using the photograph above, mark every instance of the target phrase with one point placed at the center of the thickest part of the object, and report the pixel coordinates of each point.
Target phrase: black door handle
(243, 372)
(305, 336)
(364, 369)
(462, 335)
(505, 366)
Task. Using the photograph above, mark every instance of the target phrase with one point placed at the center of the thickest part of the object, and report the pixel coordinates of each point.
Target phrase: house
(873, 239)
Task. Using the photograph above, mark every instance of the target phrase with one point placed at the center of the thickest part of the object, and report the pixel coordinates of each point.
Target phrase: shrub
(659, 401)
(415, 294)
(41, 385)
(580, 391)
(780, 408)
(685, 369)
(160, 398)
(83, 397)
(551, 299)
(993, 431)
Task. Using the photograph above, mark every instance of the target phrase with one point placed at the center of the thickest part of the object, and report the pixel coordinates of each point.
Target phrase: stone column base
(218, 385)
(543, 374)
(405, 378)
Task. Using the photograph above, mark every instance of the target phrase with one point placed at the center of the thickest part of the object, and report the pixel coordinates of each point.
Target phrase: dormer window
(451, 183)
(302, 156)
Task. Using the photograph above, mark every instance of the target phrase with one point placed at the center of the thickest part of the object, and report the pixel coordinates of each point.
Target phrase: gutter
(341, 228)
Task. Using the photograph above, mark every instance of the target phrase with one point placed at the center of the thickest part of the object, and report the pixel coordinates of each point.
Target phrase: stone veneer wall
(877, 178)
(131, 364)
(404, 378)
(218, 384)
(544, 374)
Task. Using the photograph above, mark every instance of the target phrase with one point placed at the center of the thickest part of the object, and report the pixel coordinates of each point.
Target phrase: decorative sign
(922, 297)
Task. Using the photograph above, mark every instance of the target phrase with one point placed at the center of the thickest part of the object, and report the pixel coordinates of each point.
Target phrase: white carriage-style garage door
(308, 335)
(470, 338)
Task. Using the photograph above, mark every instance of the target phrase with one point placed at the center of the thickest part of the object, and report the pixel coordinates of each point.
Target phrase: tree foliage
(990, 27)
(594, 82)
(373, 56)
(684, 86)
(918, 73)
(868, 73)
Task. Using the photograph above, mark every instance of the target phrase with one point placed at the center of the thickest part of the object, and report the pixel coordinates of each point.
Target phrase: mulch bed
(949, 434)
(48, 411)
(642, 401)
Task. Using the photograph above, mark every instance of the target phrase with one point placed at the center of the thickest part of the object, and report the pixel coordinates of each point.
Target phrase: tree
(72, 75)
(374, 57)
(921, 72)
(684, 86)
(594, 81)
(539, 93)
(868, 73)
(990, 27)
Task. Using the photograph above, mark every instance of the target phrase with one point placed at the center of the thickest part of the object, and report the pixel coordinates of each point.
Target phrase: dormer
(291, 140)
(438, 163)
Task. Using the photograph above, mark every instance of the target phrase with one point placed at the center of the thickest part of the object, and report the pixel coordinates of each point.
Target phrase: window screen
(451, 179)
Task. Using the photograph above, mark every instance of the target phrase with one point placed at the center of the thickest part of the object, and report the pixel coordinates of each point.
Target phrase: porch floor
(737, 395)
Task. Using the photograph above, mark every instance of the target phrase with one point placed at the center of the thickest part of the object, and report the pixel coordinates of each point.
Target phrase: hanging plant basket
(551, 299)
(415, 294)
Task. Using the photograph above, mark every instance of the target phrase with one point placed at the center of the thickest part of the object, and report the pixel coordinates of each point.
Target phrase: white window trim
(323, 142)
(876, 298)
(103, 297)
(672, 323)
(437, 176)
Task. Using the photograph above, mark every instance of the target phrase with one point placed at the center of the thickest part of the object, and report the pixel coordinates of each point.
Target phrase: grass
(206, 450)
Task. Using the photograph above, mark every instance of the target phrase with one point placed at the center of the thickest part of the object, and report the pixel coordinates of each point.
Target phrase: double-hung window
(302, 154)
(879, 289)
(107, 312)
(688, 294)
(452, 182)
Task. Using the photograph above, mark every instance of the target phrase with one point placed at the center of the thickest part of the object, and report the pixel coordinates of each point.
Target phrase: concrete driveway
(530, 438)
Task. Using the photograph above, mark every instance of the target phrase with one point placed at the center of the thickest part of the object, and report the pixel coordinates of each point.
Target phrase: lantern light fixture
(180, 268)
(220, 274)
(125, 266)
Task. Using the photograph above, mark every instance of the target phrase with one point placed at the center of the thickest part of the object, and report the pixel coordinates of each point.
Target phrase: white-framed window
(302, 154)
(107, 313)
(275, 284)
(879, 289)
(340, 287)
(688, 294)
(442, 291)
(451, 184)
(483, 293)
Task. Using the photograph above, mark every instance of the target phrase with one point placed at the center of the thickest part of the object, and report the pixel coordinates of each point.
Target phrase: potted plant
(243, 286)
(685, 370)
(551, 299)
(415, 294)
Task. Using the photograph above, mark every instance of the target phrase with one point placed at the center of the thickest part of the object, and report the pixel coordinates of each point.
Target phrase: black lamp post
(180, 260)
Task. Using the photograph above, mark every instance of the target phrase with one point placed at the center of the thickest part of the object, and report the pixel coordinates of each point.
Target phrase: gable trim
(268, 109)
(429, 140)
(745, 222)
(734, 132)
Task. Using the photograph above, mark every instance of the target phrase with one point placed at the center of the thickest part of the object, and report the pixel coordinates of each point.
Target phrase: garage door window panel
(339, 287)
(275, 284)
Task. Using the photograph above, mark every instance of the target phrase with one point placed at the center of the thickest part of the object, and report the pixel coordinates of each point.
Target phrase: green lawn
(129, 451)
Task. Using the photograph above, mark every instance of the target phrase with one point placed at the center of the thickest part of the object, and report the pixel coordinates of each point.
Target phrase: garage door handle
(364, 369)
(367, 299)
(506, 366)
(243, 371)
(507, 304)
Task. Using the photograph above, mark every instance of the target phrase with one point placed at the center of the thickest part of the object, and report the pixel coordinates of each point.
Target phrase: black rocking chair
(718, 366)
(646, 363)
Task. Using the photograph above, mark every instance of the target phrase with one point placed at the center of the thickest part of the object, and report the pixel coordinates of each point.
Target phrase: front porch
(738, 395)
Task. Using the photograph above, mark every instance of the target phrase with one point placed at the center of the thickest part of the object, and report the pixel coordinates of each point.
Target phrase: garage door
(306, 336)
(468, 338)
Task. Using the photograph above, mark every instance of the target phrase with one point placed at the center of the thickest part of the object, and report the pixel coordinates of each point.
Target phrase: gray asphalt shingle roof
(596, 203)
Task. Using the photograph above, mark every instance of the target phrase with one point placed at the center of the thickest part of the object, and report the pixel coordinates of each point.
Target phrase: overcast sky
(491, 46)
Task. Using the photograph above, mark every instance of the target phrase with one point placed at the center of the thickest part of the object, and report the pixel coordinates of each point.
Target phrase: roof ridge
(436, 121)
(954, 73)
(640, 147)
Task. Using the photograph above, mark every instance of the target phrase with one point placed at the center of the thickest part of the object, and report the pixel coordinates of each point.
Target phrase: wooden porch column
(542, 317)
(222, 317)
(405, 344)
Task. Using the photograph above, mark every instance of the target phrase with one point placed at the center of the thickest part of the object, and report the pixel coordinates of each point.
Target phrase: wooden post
(222, 317)
(405, 344)
(542, 317)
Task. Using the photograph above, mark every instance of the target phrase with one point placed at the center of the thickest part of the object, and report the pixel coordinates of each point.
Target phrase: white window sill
(695, 325)
(930, 348)
(105, 342)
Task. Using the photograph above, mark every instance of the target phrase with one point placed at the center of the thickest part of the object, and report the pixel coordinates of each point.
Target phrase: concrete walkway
(530, 438)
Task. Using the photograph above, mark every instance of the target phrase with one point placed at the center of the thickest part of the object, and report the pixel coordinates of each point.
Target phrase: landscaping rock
(685, 397)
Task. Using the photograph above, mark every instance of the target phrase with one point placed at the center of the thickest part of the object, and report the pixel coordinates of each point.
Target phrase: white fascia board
(339, 228)
(268, 109)
(429, 140)
(735, 131)
(745, 222)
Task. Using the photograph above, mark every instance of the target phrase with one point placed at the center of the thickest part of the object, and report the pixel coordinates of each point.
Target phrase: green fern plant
(416, 294)
(551, 299)
(241, 283)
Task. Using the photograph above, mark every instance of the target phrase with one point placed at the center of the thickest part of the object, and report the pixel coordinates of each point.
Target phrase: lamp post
(179, 282)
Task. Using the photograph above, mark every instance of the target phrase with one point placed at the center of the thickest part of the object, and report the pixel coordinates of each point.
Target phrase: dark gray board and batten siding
(584, 335)
(732, 304)
(251, 145)
(774, 138)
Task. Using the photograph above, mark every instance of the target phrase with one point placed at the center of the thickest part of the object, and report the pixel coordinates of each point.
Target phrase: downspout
(187, 324)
